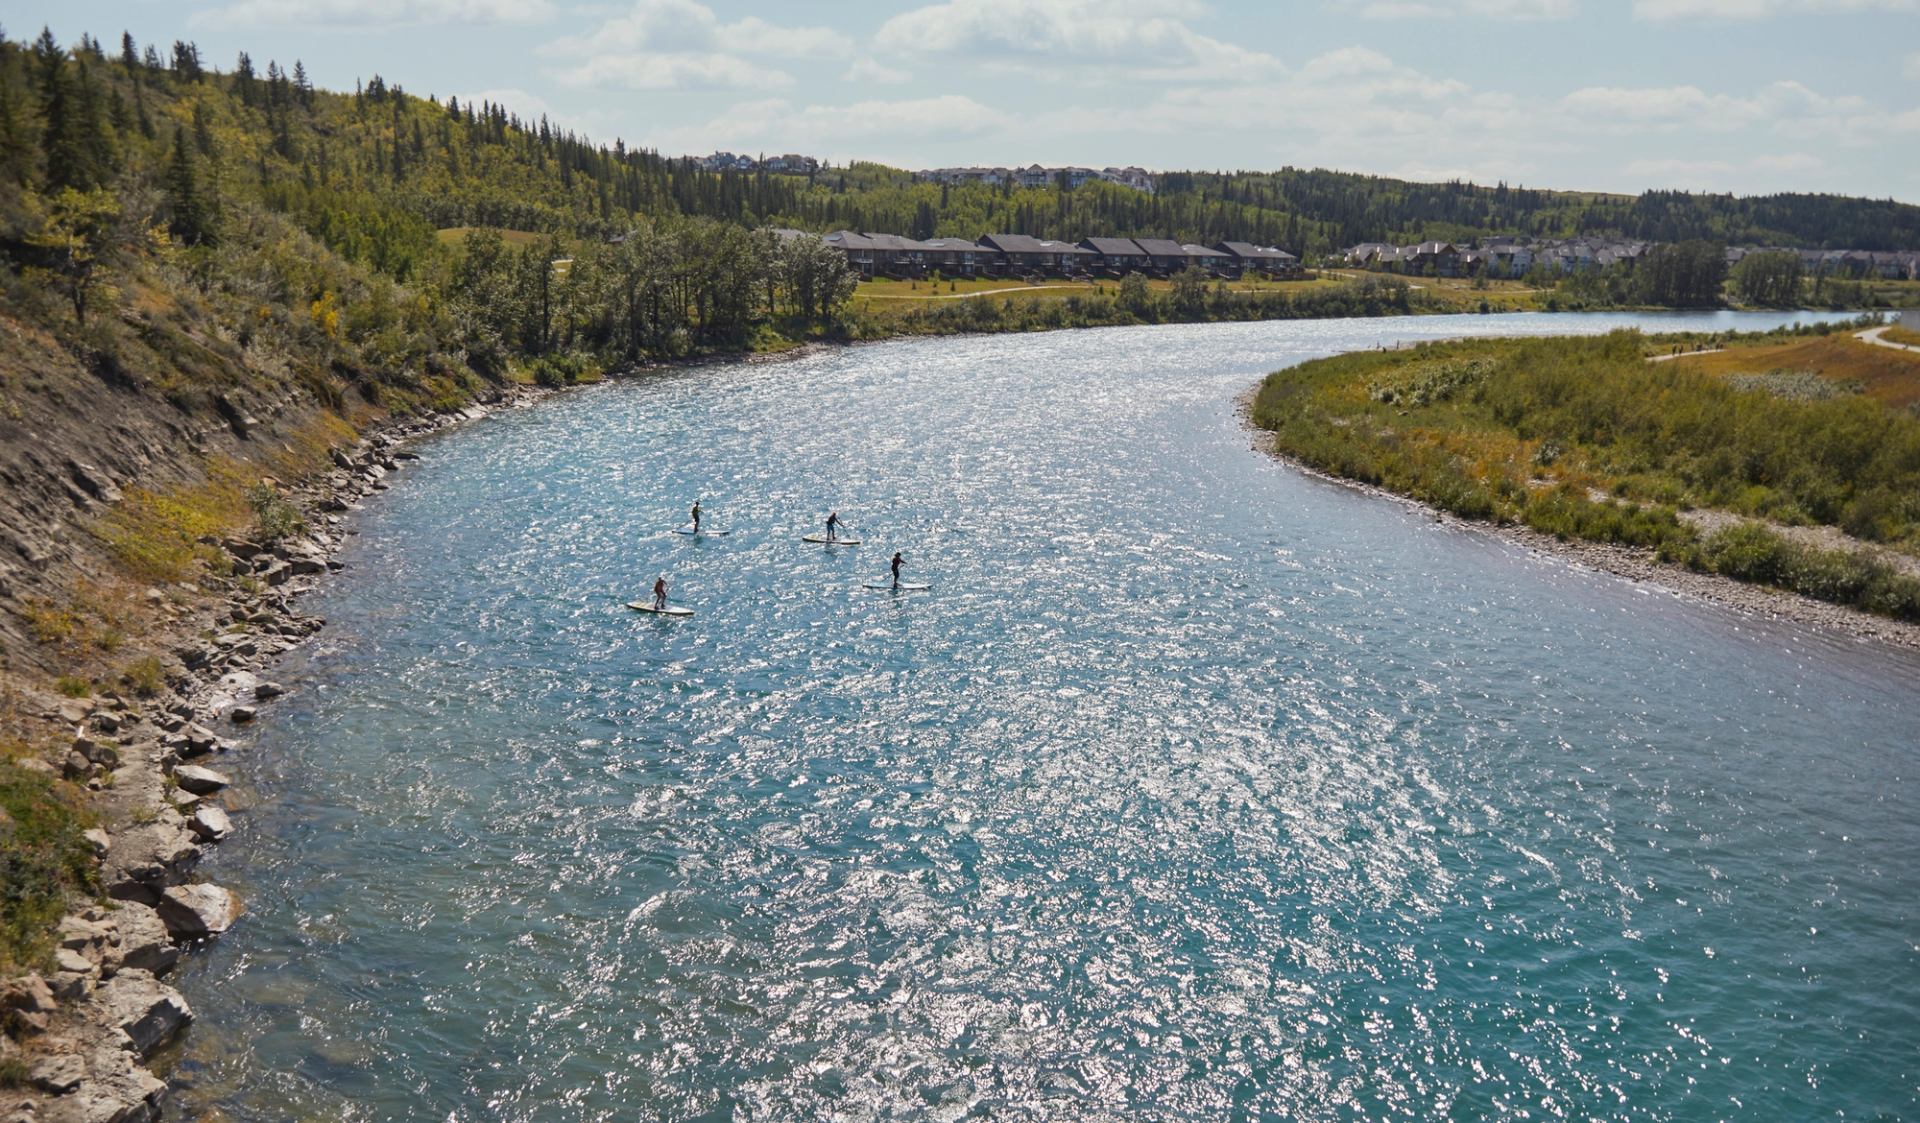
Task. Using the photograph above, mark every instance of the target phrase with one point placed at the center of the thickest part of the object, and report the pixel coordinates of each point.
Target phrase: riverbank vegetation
(1588, 439)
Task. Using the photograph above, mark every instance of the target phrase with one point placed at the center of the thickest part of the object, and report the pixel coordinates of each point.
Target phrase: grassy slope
(1587, 439)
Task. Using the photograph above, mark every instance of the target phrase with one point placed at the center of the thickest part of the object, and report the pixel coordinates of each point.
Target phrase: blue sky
(1621, 95)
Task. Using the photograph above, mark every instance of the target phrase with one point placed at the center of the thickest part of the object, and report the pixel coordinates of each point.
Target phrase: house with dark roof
(1219, 263)
(1115, 256)
(956, 257)
(1164, 255)
(1260, 259)
(880, 255)
(1441, 259)
(1022, 254)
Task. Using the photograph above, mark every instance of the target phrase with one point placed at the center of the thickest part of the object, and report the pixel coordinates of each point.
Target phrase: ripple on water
(1198, 789)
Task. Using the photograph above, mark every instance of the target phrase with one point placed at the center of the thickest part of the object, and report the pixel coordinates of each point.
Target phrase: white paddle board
(904, 586)
(670, 610)
(821, 538)
(692, 533)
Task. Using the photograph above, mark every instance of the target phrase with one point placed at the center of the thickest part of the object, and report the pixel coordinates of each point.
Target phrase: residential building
(1115, 256)
(1206, 258)
(1164, 255)
(1260, 259)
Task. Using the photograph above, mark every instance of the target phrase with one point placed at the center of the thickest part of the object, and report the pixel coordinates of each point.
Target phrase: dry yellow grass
(1890, 376)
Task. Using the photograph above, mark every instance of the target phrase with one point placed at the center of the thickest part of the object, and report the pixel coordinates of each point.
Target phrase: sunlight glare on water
(1195, 789)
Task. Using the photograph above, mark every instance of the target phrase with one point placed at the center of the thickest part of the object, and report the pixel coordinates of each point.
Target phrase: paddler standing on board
(696, 516)
(833, 525)
(898, 561)
(660, 593)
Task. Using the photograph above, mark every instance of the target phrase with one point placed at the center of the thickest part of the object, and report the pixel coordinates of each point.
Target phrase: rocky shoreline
(1636, 564)
(85, 1034)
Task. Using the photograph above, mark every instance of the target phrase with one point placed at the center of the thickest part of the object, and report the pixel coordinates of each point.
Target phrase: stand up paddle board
(904, 586)
(823, 539)
(692, 533)
(670, 610)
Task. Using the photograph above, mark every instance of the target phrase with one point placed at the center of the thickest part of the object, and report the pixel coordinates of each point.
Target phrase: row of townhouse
(1034, 175)
(1019, 255)
(791, 162)
(1504, 256)
(1498, 256)
(1900, 265)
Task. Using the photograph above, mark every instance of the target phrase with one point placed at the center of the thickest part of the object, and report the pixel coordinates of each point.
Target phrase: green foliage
(275, 518)
(1624, 443)
(145, 676)
(1688, 274)
(1771, 280)
(1426, 383)
(44, 862)
(1750, 552)
(566, 369)
(73, 686)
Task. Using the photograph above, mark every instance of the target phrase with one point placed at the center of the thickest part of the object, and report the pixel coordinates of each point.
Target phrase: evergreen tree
(16, 148)
(244, 83)
(186, 61)
(189, 203)
(129, 58)
(202, 132)
(63, 140)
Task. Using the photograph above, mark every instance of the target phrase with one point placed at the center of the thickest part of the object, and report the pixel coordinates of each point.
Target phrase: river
(1196, 788)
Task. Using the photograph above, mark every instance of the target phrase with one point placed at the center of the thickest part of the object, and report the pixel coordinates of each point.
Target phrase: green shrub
(275, 518)
(44, 860)
(146, 676)
(73, 687)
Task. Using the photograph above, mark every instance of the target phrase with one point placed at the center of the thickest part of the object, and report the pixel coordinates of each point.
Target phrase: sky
(1748, 96)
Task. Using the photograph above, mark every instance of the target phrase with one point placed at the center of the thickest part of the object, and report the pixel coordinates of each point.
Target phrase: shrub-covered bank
(1584, 439)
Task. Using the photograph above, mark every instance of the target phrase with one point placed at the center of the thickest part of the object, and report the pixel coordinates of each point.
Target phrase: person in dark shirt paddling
(660, 593)
(696, 516)
(898, 561)
(833, 525)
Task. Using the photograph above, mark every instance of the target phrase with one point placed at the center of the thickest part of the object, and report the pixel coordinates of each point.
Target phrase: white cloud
(862, 130)
(1680, 106)
(642, 70)
(1046, 38)
(682, 44)
(865, 69)
(364, 15)
(1761, 9)
(1443, 9)
(1785, 108)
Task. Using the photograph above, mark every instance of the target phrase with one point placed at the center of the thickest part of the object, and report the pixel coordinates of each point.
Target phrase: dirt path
(1682, 355)
(982, 292)
(1876, 336)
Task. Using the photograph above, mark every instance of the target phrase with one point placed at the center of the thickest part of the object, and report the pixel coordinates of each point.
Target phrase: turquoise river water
(1196, 788)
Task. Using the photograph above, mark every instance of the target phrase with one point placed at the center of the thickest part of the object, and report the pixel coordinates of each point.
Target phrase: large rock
(210, 822)
(59, 1074)
(198, 780)
(147, 1010)
(145, 943)
(28, 1001)
(97, 483)
(195, 912)
(118, 1088)
(195, 739)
